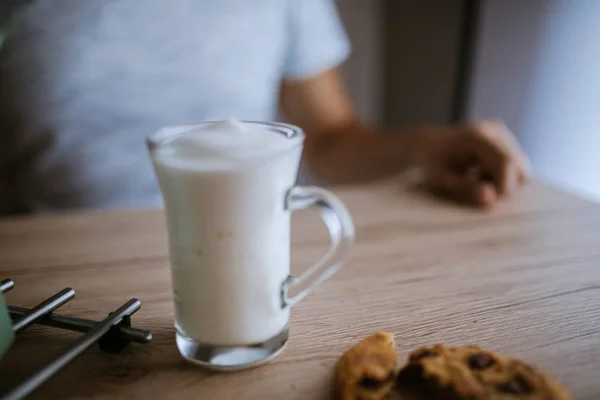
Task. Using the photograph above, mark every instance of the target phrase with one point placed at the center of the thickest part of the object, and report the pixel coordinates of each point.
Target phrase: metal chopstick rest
(82, 325)
(74, 351)
(112, 334)
(73, 323)
(45, 307)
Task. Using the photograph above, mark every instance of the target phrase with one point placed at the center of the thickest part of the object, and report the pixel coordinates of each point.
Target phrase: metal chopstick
(45, 307)
(6, 285)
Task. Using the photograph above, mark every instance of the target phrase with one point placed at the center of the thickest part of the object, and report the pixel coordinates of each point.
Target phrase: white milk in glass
(224, 187)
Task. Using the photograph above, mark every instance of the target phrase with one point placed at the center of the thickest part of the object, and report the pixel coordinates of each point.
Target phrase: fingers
(468, 188)
(508, 178)
(515, 149)
(524, 178)
(501, 156)
(486, 194)
(478, 164)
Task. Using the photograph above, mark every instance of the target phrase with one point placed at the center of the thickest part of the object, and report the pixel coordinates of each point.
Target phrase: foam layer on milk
(222, 144)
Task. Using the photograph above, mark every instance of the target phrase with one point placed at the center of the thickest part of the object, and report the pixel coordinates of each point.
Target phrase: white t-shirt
(82, 83)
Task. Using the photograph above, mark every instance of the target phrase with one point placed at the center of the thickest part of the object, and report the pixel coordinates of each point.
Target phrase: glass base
(231, 358)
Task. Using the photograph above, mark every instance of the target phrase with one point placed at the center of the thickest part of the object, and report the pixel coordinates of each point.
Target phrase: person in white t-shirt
(82, 83)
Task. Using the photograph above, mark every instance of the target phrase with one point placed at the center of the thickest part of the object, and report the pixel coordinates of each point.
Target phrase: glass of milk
(228, 189)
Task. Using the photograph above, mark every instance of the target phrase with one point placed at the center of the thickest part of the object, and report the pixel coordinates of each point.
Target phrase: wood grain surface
(522, 279)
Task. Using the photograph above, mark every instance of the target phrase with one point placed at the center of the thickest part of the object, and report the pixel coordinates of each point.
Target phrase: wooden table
(523, 279)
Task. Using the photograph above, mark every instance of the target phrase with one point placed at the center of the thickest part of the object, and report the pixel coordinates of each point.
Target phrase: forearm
(338, 148)
(359, 153)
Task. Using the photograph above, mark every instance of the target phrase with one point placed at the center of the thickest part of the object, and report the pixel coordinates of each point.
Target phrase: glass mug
(229, 247)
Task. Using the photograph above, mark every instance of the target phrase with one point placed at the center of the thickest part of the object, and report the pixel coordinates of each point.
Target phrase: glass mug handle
(341, 230)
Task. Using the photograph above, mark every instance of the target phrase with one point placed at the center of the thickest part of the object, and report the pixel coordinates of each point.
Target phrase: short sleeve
(317, 39)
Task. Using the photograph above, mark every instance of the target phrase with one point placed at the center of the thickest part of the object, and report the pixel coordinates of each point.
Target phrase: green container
(6, 332)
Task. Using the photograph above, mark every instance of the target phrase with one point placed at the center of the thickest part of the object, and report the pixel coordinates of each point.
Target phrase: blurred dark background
(533, 63)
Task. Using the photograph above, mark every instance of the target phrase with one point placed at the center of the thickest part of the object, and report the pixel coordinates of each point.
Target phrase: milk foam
(229, 232)
(222, 143)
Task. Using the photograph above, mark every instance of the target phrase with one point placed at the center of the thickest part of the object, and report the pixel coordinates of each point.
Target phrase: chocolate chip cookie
(472, 373)
(368, 370)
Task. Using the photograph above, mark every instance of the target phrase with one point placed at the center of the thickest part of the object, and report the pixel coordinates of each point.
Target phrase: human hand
(476, 164)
